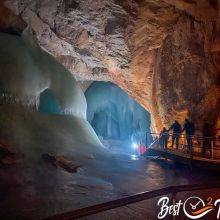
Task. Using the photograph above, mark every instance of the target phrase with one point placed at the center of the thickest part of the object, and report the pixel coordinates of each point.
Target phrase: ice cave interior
(114, 115)
(79, 77)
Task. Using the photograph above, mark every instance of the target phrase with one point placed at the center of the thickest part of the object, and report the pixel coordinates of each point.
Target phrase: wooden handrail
(182, 135)
(129, 200)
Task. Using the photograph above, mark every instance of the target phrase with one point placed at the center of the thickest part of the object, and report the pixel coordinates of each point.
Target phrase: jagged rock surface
(165, 54)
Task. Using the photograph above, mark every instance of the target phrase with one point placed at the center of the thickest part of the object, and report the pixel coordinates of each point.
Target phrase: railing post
(212, 146)
(173, 216)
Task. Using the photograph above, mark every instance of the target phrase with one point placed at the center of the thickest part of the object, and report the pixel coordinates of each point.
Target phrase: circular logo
(194, 208)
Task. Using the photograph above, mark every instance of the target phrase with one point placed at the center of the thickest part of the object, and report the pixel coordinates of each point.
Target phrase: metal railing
(207, 147)
(91, 210)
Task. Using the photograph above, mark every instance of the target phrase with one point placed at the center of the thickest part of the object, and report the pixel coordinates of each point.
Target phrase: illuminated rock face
(165, 54)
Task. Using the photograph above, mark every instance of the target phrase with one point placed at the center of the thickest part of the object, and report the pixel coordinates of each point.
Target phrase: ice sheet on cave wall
(113, 114)
(26, 71)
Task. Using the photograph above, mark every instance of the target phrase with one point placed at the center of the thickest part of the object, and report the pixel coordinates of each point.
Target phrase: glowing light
(134, 157)
(135, 145)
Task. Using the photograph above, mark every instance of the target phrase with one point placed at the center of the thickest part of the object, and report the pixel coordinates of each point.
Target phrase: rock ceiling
(165, 54)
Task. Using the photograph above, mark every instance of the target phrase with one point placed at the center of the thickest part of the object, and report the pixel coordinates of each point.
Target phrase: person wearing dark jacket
(164, 138)
(176, 127)
(189, 128)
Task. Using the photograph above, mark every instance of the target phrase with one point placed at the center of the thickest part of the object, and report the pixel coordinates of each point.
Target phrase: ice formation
(48, 103)
(114, 115)
(27, 71)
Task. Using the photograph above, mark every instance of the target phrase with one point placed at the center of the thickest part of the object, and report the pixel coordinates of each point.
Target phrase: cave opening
(48, 103)
(117, 119)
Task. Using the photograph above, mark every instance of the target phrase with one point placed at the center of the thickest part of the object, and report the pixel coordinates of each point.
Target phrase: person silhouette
(189, 128)
(164, 138)
(176, 127)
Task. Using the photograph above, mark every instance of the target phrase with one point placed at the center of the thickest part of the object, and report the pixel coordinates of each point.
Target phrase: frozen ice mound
(26, 71)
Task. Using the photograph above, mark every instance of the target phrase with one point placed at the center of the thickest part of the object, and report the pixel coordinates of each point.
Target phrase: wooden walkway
(182, 157)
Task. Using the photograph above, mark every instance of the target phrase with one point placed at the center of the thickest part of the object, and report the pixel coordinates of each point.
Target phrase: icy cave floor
(32, 188)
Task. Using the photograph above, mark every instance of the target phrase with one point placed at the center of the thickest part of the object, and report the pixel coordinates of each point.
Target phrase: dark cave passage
(48, 103)
(115, 116)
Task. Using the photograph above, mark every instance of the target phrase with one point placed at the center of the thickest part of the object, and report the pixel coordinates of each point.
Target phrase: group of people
(177, 129)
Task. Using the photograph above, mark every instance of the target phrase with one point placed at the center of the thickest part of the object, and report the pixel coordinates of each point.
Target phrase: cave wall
(175, 61)
(165, 54)
(187, 77)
